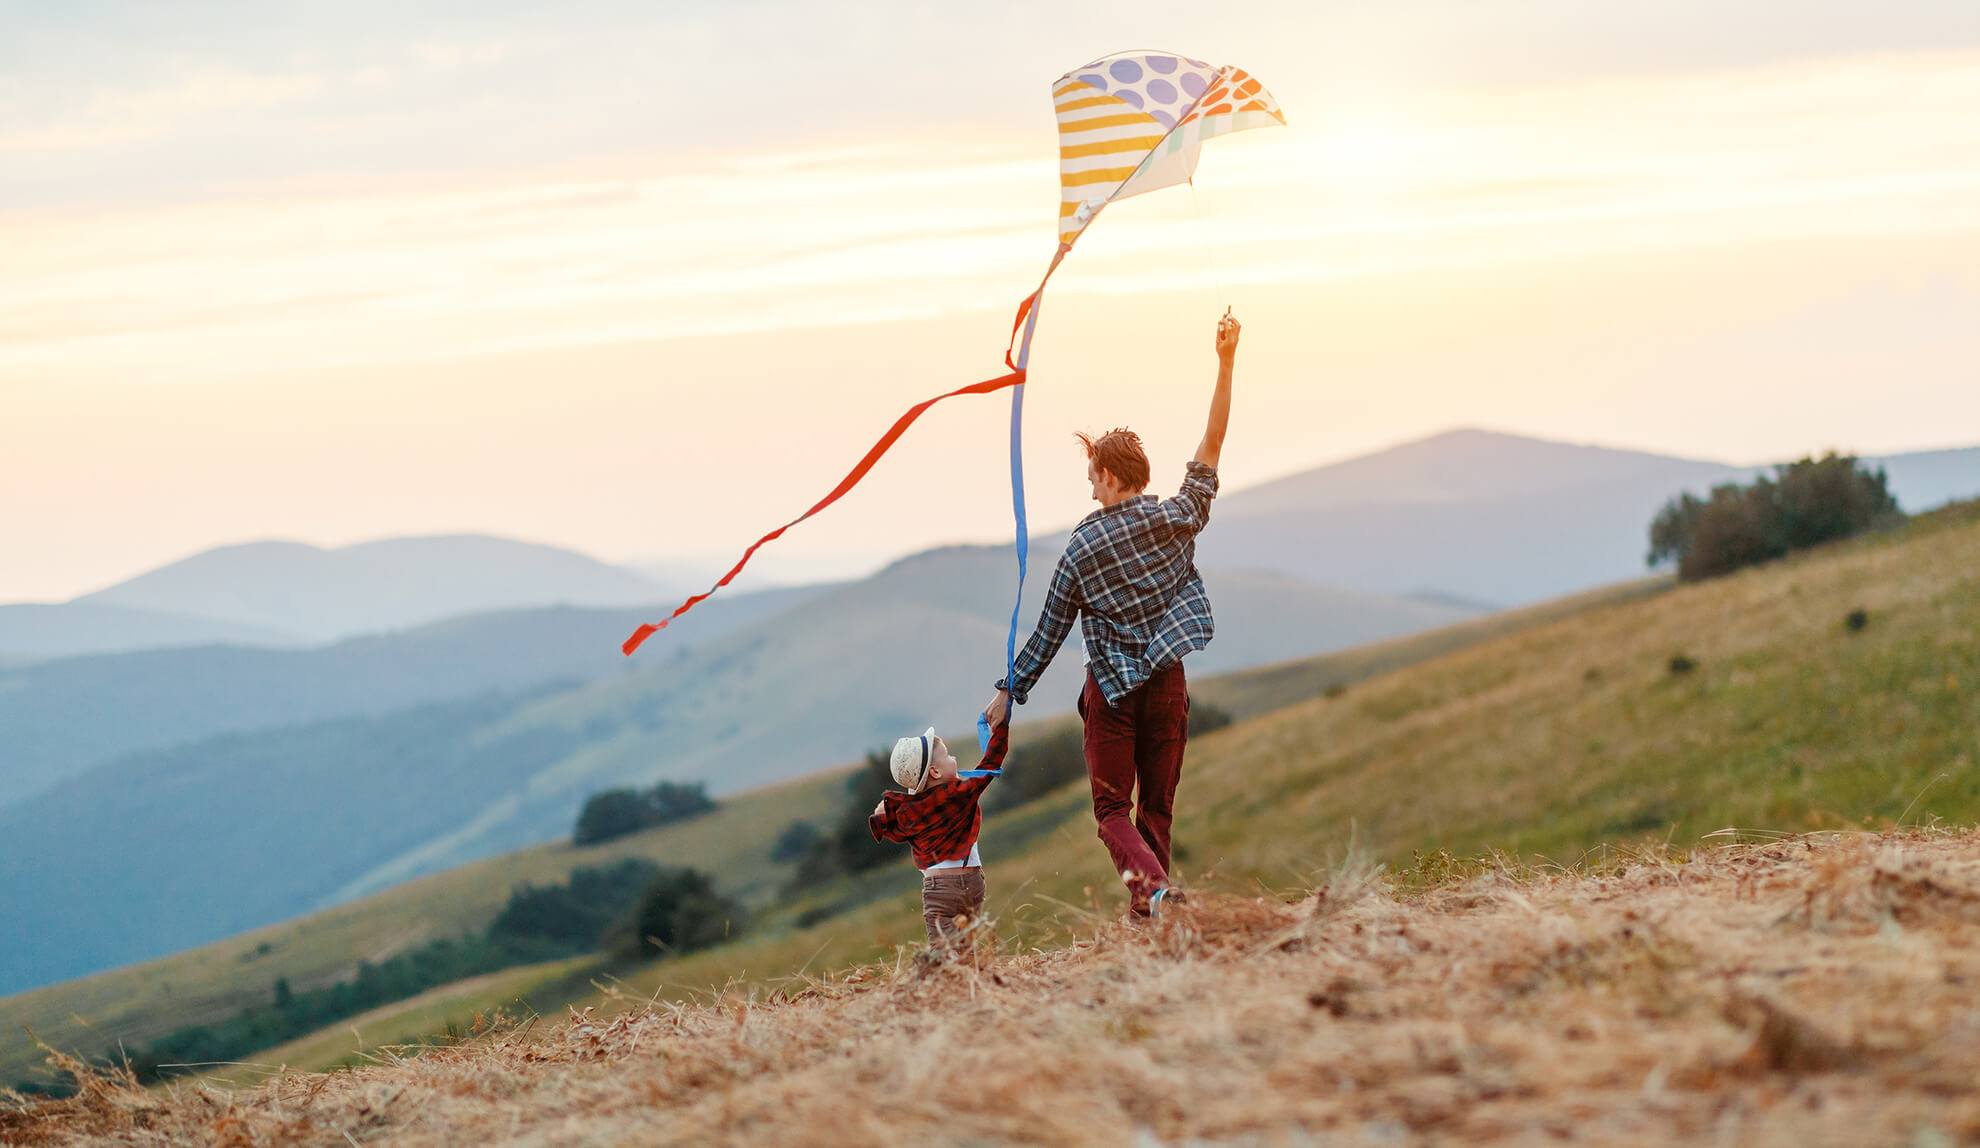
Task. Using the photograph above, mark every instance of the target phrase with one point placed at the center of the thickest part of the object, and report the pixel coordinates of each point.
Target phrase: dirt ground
(1809, 991)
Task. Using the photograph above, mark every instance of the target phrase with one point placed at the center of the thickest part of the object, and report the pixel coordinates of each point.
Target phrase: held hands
(1228, 329)
(999, 708)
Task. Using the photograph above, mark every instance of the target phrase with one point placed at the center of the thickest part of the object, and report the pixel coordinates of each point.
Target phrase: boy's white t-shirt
(973, 861)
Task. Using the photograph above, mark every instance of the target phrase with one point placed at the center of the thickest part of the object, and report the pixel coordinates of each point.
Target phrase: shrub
(794, 842)
(537, 924)
(1856, 620)
(618, 812)
(577, 914)
(1805, 503)
(1207, 718)
(679, 912)
(1681, 664)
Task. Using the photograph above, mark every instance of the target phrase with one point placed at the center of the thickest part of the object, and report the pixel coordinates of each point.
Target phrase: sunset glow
(538, 352)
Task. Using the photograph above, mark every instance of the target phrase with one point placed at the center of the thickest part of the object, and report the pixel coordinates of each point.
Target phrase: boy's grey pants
(947, 894)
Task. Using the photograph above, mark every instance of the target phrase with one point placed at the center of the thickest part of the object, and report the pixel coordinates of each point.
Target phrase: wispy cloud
(122, 116)
(899, 228)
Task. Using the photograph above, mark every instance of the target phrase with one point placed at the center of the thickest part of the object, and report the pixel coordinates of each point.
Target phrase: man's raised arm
(1212, 445)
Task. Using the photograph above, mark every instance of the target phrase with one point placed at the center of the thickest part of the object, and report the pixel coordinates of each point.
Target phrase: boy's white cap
(912, 757)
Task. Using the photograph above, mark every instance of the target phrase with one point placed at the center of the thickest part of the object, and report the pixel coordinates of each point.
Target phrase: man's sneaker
(1167, 894)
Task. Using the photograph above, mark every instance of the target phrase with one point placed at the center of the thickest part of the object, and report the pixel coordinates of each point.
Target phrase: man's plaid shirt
(940, 824)
(1129, 575)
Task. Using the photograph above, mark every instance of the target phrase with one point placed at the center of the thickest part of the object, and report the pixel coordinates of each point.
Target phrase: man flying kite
(1129, 576)
(1128, 124)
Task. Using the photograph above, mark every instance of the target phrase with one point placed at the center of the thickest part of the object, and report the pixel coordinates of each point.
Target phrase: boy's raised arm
(1000, 744)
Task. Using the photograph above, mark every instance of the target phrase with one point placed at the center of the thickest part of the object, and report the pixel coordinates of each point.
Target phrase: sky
(645, 279)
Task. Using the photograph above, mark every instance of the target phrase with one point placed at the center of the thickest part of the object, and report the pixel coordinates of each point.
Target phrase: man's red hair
(1119, 453)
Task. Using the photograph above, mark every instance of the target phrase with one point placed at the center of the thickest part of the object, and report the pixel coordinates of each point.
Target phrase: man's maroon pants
(1137, 744)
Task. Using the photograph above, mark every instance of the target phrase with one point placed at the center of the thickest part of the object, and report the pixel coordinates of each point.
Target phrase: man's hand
(1228, 329)
(999, 709)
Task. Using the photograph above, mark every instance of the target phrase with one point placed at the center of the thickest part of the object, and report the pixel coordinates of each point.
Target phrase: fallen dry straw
(1811, 991)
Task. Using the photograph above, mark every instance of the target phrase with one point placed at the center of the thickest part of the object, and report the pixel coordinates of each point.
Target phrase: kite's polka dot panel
(1161, 85)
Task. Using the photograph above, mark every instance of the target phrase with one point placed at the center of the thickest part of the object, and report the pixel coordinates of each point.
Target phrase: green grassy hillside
(1548, 733)
(138, 1003)
(885, 910)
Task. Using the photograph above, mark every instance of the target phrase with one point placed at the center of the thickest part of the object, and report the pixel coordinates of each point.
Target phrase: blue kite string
(1023, 528)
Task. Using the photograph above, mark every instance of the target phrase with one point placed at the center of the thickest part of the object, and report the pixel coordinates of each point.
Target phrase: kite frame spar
(1230, 100)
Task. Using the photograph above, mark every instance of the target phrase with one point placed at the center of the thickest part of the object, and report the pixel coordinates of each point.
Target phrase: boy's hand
(1228, 330)
(880, 807)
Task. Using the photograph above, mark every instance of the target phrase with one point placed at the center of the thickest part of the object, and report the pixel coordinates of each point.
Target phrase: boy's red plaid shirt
(940, 824)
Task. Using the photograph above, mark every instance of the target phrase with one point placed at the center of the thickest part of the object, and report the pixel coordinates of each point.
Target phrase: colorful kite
(1128, 124)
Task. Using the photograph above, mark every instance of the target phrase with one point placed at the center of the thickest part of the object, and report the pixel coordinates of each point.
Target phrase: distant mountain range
(1468, 515)
(321, 595)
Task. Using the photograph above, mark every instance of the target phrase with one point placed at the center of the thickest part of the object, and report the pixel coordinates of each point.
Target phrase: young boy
(938, 818)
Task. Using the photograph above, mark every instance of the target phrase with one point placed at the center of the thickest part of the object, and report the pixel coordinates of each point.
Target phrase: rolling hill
(1556, 736)
(1494, 518)
(355, 803)
(64, 716)
(782, 695)
(138, 1003)
(38, 631)
(323, 595)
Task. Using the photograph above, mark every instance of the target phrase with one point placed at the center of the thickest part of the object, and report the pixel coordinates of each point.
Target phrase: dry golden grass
(1806, 991)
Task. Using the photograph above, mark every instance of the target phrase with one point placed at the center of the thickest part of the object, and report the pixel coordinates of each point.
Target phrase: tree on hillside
(793, 842)
(617, 812)
(613, 813)
(679, 912)
(1805, 503)
(578, 913)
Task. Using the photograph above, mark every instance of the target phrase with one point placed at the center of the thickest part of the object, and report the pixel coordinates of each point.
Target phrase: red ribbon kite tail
(845, 484)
